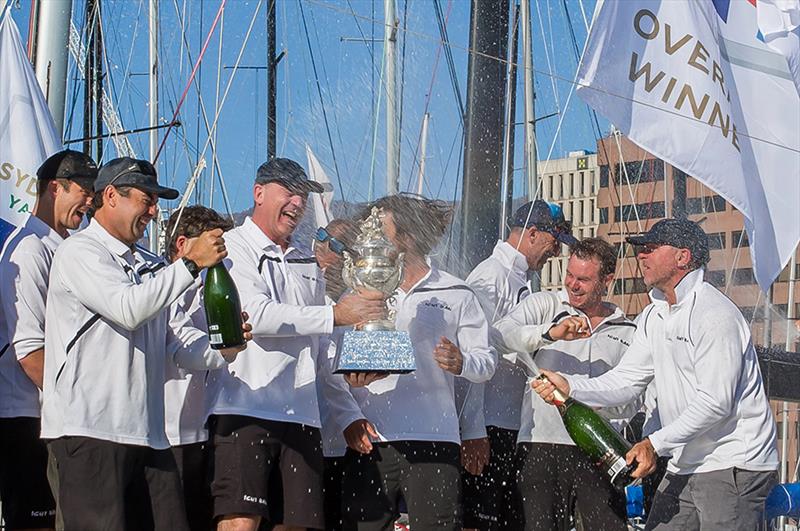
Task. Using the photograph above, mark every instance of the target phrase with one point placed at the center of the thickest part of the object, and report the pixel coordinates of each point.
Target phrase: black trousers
(110, 486)
(426, 474)
(194, 468)
(557, 482)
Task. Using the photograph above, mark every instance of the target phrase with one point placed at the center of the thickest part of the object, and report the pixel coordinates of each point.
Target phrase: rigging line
(319, 93)
(402, 85)
(193, 179)
(109, 76)
(201, 101)
(371, 188)
(427, 105)
(330, 98)
(547, 57)
(214, 156)
(448, 54)
(583, 14)
(199, 84)
(363, 37)
(572, 81)
(191, 77)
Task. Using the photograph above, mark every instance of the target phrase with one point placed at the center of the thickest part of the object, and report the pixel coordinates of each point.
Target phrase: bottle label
(216, 339)
(213, 327)
(613, 464)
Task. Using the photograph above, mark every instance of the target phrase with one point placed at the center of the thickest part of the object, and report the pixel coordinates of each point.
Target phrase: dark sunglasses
(647, 248)
(335, 245)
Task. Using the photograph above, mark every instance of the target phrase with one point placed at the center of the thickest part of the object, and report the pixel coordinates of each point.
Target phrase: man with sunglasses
(108, 337)
(268, 456)
(538, 229)
(716, 422)
(330, 243)
(64, 195)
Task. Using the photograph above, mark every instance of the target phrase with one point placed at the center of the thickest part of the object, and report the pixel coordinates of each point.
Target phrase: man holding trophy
(405, 434)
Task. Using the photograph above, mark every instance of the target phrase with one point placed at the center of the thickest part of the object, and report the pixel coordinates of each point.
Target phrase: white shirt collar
(116, 246)
(510, 257)
(261, 240)
(42, 229)
(687, 285)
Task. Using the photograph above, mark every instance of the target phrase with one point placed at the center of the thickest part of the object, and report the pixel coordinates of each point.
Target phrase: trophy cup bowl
(374, 346)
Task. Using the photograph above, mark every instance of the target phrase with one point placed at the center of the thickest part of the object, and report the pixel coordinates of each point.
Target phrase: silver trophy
(375, 346)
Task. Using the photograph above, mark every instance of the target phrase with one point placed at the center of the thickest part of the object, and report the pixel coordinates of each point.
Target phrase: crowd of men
(116, 413)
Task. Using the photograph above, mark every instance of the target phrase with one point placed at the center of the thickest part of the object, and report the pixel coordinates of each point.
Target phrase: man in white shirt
(186, 397)
(538, 229)
(64, 194)
(716, 422)
(267, 454)
(108, 332)
(404, 431)
(575, 331)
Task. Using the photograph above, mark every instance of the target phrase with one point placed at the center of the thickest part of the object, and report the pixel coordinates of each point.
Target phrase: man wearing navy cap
(64, 195)
(716, 422)
(108, 338)
(538, 229)
(266, 417)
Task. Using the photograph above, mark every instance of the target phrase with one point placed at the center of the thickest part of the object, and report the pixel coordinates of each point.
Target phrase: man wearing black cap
(64, 194)
(108, 332)
(716, 423)
(538, 229)
(268, 457)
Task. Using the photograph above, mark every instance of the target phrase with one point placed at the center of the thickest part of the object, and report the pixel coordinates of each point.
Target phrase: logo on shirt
(684, 339)
(308, 277)
(439, 305)
(254, 499)
(618, 340)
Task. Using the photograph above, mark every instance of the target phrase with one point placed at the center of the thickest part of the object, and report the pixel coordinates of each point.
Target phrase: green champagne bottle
(223, 309)
(596, 438)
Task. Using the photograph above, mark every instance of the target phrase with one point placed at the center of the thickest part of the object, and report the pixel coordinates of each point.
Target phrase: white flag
(779, 23)
(321, 202)
(27, 133)
(693, 83)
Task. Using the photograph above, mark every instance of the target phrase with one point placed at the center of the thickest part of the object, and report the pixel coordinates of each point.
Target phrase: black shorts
(107, 485)
(194, 467)
(269, 469)
(334, 474)
(27, 499)
(424, 473)
(489, 499)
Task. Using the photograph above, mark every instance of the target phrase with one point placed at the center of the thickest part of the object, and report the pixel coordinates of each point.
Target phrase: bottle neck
(559, 399)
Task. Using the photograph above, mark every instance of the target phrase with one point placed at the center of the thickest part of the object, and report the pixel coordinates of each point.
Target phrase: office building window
(639, 171)
(743, 277)
(644, 211)
(603, 215)
(716, 240)
(705, 205)
(739, 239)
(603, 176)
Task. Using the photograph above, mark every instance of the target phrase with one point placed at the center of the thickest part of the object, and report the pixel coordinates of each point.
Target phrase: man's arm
(472, 338)
(522, 330)
(718, 360)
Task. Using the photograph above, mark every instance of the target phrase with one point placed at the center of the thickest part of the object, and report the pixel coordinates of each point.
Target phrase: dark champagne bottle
(596, 438)
(223, 309)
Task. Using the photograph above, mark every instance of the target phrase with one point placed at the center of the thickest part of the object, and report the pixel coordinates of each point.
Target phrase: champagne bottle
(223, 309)
(596, 438)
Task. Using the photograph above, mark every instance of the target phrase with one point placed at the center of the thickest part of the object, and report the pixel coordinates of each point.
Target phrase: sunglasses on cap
(646, 248)
(335, 245)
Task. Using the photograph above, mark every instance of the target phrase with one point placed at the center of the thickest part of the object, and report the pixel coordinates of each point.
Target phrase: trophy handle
(347, 270)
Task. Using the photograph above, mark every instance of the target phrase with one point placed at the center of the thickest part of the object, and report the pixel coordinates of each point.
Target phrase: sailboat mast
(272, 70)
(507, 173)
(390, 53)
(52, 36)
(530, 97)
(153, 78)
(423, 151)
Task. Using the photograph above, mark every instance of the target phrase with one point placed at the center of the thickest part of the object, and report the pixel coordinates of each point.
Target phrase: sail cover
(696, 84)
(27, 133)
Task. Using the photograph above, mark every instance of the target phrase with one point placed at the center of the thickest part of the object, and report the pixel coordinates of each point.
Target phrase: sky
(330, 56)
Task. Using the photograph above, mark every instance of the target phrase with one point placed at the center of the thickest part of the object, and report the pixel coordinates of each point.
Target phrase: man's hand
(448, 356)
(355, 308)
(545, 388)
(359, 436)
(206, 250)
(645, 456)
(572, 327)
(363, 379)
(230, 353)
(475, 455)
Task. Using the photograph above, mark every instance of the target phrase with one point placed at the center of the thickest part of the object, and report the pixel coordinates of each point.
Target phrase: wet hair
(41, 185)
(598, 249)
(194, 221)
(344, 230)
(97, 200)
(419, 221)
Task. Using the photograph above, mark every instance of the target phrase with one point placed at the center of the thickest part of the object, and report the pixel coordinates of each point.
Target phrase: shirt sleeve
(102, 285)
(479, 359)
(469, 405)
(268, 316)
(622, 384)
(718, 359)
(188, 346)
(24, 295)
(522, 329)
(340, 407)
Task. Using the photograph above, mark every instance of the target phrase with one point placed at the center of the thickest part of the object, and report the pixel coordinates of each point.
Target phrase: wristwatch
(545, 336)
(192, 266)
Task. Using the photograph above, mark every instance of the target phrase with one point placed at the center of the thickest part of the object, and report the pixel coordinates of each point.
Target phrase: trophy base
(383, 351)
